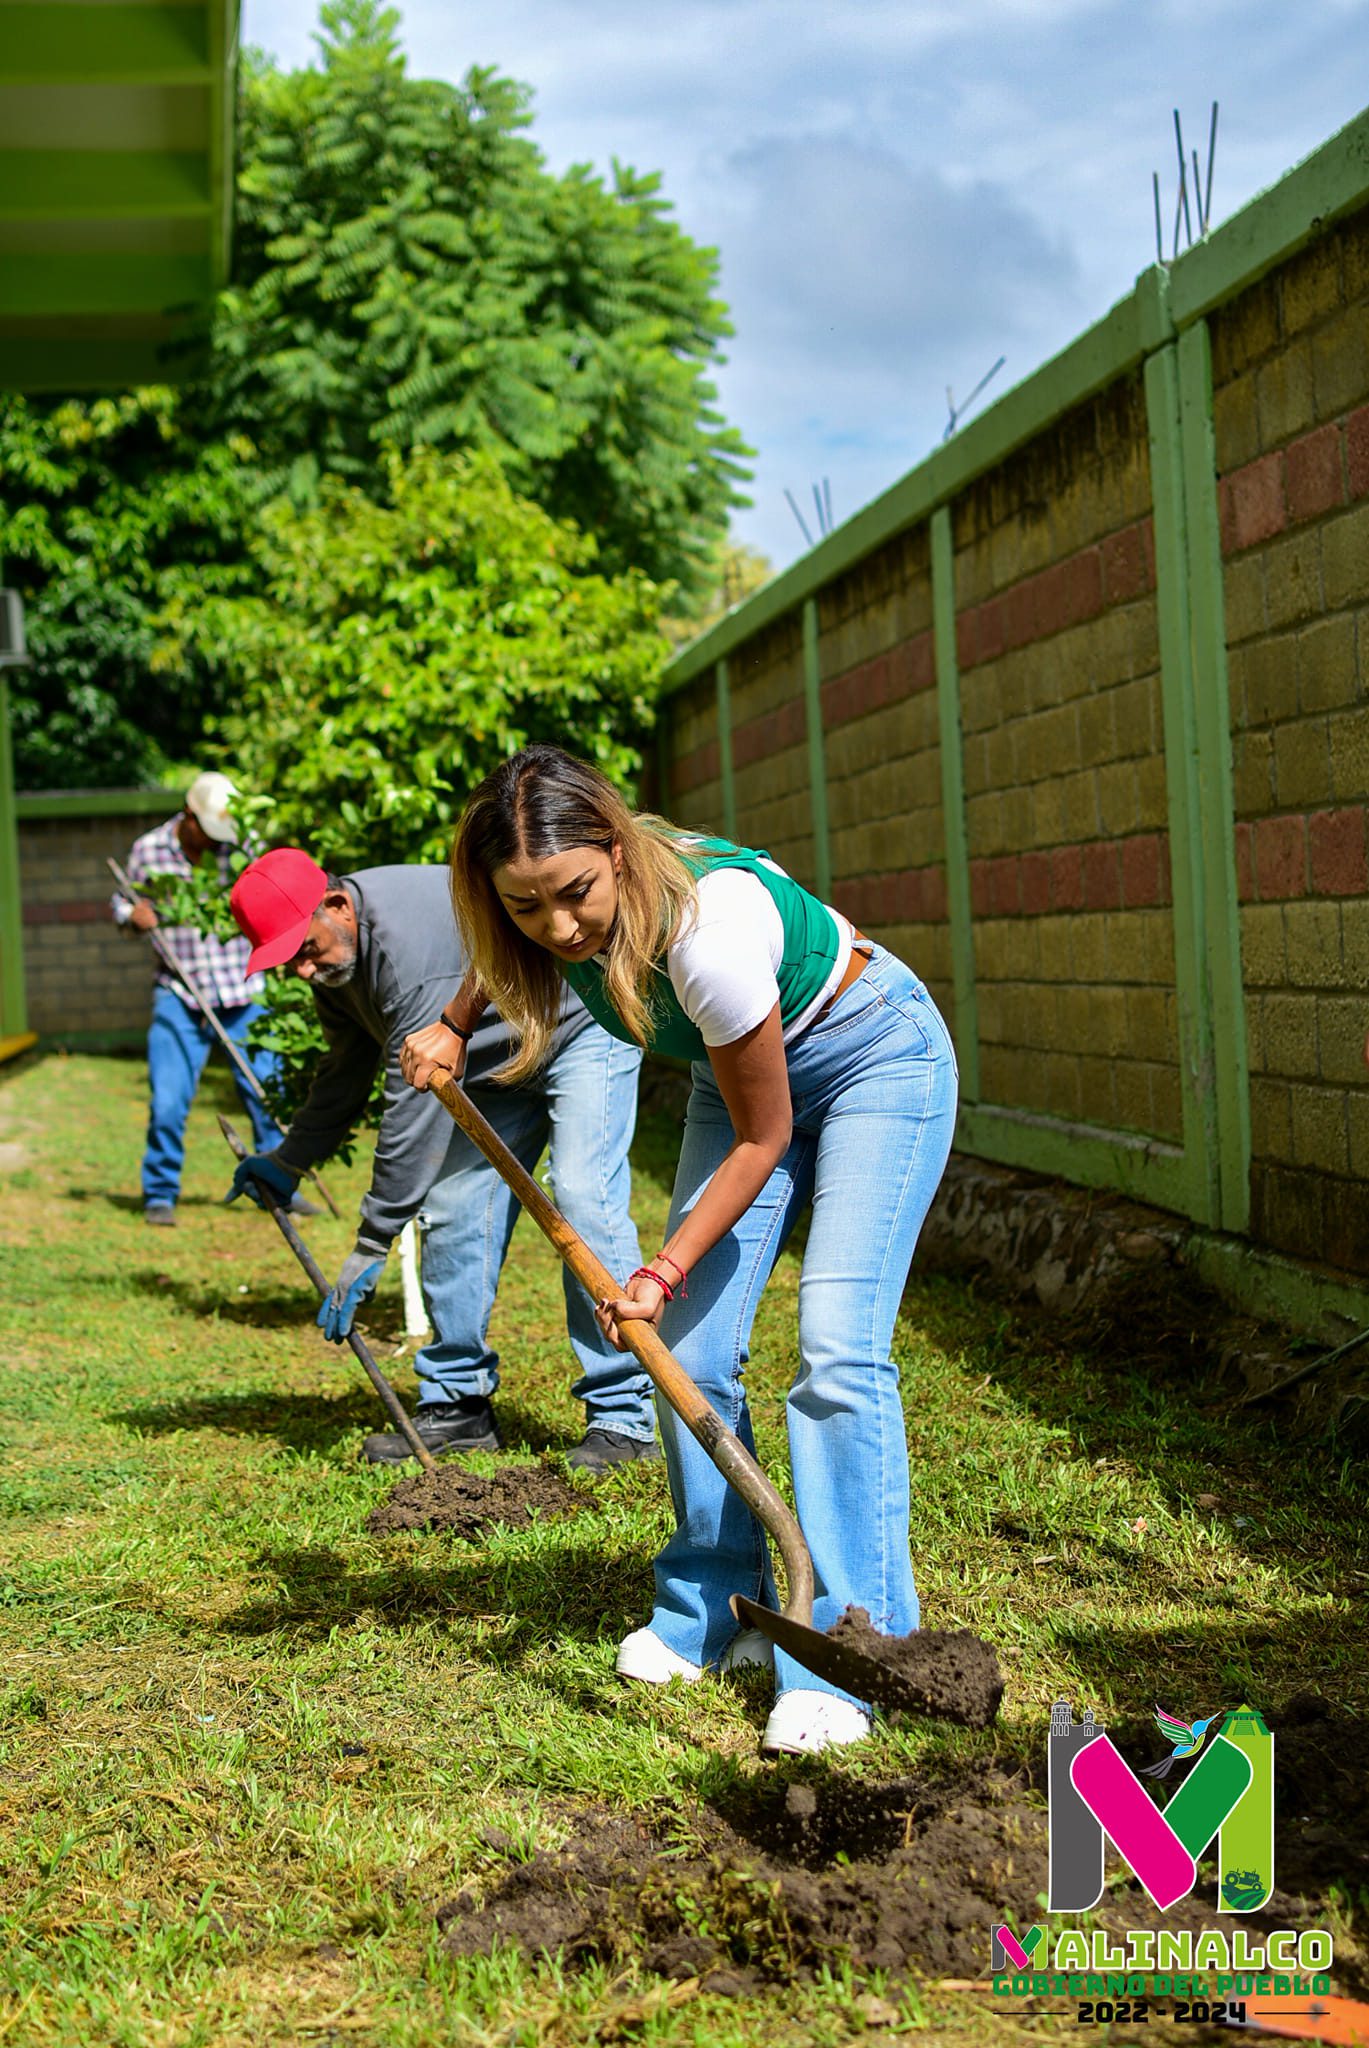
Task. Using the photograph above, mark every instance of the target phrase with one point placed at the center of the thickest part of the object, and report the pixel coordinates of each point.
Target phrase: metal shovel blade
(948, 1673)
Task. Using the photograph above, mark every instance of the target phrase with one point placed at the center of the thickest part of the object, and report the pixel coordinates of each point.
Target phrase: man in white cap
(179, 1039)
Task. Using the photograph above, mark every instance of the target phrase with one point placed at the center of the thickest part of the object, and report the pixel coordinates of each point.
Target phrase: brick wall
(83, 974)
(1291, 413)
(879, 717)
(1063, 768)
(1065, 799)
(1068, 794)
(769, 751)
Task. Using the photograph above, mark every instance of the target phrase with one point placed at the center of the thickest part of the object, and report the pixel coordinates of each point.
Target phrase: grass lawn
(246, 1750)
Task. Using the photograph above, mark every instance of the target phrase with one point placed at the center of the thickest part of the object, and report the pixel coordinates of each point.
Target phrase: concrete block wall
(883, 754)
(879, 720)
(1154, 951)
(1064, 769)
(84, 976)
(1291, 417)
(1065, 797)
(769, 752)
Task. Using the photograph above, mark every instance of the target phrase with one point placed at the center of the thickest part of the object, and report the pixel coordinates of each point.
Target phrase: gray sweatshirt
(409, 964)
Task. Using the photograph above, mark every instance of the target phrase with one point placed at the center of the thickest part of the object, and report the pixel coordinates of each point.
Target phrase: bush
(398, 650)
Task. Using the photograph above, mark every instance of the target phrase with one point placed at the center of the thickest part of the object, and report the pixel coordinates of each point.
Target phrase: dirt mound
(1321, 1795)
(812, 1868)
(950, 1672)
(923, 1877)
(453, 1498)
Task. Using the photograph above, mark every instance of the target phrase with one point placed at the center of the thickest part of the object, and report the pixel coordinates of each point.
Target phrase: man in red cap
(180, 1040)
(380, 951)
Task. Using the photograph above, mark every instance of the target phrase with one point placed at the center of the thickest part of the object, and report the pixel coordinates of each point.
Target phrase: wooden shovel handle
(723, 1446)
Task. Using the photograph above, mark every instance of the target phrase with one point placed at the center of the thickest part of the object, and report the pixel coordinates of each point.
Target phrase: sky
(899, 191)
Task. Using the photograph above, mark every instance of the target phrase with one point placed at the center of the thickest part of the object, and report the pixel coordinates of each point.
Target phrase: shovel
(848, 1663)
(394, 1407)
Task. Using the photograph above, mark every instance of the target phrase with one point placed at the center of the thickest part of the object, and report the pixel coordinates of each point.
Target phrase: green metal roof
(116, 183)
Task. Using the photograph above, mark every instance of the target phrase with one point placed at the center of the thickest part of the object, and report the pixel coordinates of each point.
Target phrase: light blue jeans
(584, 1103)
(873, 1086)
(179, 1041)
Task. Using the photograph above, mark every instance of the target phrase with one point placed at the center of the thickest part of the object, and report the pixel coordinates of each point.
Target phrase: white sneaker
(644, 1656)
(802, 1721)
(751, 1647)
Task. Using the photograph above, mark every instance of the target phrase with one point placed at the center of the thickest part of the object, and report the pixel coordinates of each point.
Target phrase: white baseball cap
(207, 802)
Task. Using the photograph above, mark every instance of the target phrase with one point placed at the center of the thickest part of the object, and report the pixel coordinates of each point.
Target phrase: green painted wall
(1160, 332)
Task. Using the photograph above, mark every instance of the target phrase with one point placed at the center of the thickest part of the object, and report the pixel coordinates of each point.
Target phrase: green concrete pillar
(817, 755)
(725, 770)
(954, 829)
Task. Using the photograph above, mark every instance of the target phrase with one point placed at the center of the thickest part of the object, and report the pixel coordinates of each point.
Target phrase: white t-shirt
(724, 966)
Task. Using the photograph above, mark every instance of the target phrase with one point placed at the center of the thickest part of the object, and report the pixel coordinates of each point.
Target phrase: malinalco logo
(1011, 1951)
(1095, 1795)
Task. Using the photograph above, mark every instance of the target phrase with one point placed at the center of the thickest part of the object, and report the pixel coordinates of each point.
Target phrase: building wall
(85, 977)
(1291, 380)
(1065, 797)
(879, 715)
(1193, 525)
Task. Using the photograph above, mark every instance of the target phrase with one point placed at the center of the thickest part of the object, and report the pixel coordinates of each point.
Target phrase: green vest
(810, 947)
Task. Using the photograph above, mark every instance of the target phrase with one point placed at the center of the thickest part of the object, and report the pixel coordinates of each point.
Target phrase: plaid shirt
(218, 967)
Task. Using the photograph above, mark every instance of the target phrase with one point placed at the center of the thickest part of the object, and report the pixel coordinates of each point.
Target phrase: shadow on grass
(301, 1422)
(1226, 1660)
(1134, 1391)
(1116, 1406)
(573, 1587)
(314, 1422)
(266, 1307)
(524, 1429)
(131, 1204)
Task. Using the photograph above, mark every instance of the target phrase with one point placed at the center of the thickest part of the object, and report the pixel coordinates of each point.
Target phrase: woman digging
(821, 1073)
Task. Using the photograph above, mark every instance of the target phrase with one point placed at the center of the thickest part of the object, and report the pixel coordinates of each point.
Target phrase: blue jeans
(873, 1086)
(179, 1041)
(584, 1103)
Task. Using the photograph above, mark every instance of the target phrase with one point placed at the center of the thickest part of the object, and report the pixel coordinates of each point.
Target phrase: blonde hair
(538, 804)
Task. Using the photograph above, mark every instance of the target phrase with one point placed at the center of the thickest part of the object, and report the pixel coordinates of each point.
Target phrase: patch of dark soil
(467, 1504)
(921, 1876)
(905, 1874)
(1321, 1798)
(921, 1879)
(949, 1672)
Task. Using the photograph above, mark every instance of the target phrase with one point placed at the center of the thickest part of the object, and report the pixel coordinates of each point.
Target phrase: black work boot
(599, 1450)
(441, 1426)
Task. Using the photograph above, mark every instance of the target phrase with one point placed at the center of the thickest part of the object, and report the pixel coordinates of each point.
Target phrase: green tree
(410, 273)
(108, 509)
(396, 649)
(737, 570)
(411, 277)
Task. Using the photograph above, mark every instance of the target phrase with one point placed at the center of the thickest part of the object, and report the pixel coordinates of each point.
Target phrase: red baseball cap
(274, 901)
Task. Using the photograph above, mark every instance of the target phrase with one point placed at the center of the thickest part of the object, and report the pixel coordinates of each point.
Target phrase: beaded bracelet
(650, 1273)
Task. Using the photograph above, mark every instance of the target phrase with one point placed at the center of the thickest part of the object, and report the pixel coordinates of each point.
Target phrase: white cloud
(899, 189)
(854, 258)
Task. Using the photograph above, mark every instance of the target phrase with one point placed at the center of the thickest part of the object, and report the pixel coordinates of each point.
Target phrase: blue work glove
(360, 1272)
(262, 1166)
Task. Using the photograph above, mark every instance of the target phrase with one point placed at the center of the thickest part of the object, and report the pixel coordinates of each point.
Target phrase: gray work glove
(361, 1269)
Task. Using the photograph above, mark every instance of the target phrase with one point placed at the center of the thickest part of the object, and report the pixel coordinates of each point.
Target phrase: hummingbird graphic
(1186, 1736)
